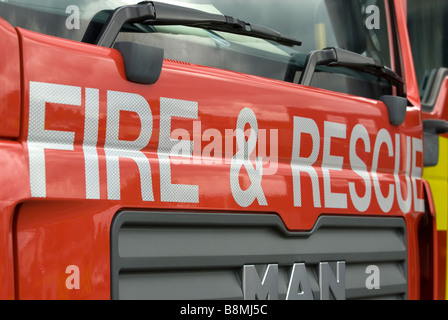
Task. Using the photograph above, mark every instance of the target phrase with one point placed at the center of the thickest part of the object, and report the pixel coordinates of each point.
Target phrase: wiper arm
(336, 57)
(156, 13)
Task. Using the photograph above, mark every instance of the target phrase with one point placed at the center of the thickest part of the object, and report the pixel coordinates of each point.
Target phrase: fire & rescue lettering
(307, 172)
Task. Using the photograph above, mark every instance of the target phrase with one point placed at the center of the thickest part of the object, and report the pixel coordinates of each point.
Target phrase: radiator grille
(200, 256)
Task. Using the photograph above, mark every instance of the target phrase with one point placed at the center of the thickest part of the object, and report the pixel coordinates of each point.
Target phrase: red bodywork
(41, 236)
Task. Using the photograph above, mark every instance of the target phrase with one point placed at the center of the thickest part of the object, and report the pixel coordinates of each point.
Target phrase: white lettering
(92, 171)
(329, 162)
(360, 168)
(385, 203)
(403, 154)
(170, 192)
(245, 198)
(417, 147)
(305, 164)
(39, 138)
(115, 148)
(405, 205)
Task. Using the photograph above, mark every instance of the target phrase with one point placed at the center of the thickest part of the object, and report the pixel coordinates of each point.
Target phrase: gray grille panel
(200, 256)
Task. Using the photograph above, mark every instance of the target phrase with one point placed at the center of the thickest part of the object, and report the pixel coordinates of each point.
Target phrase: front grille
(190, 256)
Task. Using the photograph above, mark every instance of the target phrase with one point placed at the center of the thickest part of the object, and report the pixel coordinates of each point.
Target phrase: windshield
(356, 25)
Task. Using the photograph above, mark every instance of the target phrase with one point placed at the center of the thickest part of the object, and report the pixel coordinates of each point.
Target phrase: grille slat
(214, 261)
(200, 256)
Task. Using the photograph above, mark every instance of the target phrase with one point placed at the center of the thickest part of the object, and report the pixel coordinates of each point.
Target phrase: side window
(428, 32)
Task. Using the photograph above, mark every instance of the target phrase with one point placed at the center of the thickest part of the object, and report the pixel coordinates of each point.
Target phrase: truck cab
(211, 149)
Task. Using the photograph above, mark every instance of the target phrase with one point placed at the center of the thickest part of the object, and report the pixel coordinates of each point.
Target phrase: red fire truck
(214, 149)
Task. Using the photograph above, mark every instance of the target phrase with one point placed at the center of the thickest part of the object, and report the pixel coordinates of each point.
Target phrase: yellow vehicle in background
(428, 32)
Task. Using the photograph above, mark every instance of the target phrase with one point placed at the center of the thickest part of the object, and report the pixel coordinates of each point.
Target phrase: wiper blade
(156, 13)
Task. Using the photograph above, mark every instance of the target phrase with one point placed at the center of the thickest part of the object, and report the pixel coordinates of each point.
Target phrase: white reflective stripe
(417, 147)
(40, 139)
(300, 164)
(245, 198)
(170, 192)
(115, 148)
(360, 168)
(333, 163)
(405, 205)
(385, 203)
(92, 170)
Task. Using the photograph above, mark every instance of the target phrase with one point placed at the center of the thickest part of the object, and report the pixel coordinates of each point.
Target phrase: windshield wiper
(156, 13)
(336, 57)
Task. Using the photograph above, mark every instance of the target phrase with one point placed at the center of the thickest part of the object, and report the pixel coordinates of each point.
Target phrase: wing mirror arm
(431, 130)
(142, 63)
(434, 100)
